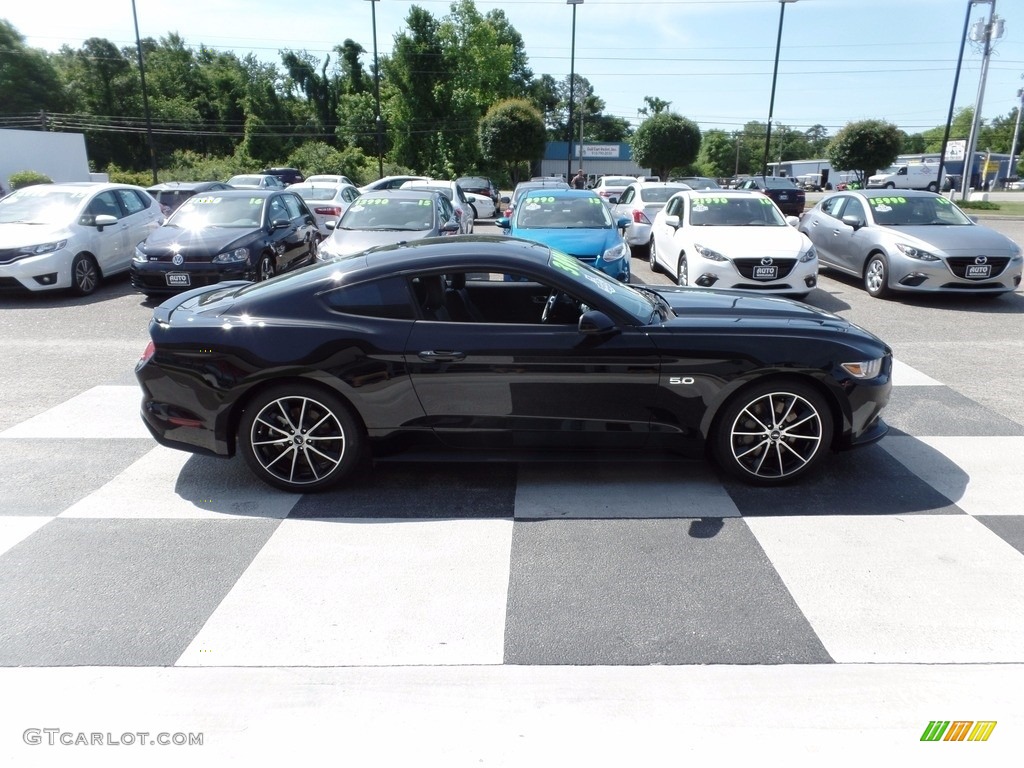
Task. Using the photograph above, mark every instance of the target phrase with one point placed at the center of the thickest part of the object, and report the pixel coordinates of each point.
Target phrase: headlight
(615, 253)
(230, 257)
(1014, 252)
(707, 253)
(867, 369)
(916, 253)
(39, 250)
(811, 255)
(140, 255)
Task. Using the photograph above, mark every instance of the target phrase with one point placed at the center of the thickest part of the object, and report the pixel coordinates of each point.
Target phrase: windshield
(744, 211)
(215, 211)
(539, 211)
(40, 204)
(625, 298)
(617, 181)
(315, 193)
(413, 214)
(660, 194)
(901, 211)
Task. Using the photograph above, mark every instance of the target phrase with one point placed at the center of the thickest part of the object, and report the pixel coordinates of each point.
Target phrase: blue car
(576, 222)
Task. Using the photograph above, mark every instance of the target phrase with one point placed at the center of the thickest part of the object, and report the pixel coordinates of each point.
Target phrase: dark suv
(171, 194)
(286, 175)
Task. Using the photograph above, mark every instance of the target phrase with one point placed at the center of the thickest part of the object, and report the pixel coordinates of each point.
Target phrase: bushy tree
(512, 132)
(717, 156)
(864, 147)
(665, 141)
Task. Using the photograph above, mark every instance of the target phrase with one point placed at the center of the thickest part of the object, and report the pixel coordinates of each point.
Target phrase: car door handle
(435, 356)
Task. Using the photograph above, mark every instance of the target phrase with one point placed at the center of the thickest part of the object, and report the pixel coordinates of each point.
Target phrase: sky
(840, 60)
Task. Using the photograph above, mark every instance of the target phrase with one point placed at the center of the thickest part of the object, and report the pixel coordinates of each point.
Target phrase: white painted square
(366, 592)
(166, 483)
(103, 412)
(981, 475)
(905, 376)
(14, 530)
(605, 490)
(930, 589)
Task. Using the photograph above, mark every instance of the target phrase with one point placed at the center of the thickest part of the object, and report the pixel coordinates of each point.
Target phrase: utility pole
(1016, 133)
(985, 32)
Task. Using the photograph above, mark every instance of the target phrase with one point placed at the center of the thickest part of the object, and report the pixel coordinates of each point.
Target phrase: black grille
(746, 266)
(958, 265)
(10, 284)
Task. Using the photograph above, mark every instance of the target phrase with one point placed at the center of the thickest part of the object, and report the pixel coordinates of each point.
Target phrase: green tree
(655, 106)
(864, 147)
(512, 133)
(817, 140)
(717, 156)
(664, 142)
(29, 82)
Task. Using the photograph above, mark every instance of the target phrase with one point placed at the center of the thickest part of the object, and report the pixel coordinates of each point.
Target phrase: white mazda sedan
(72, 235)
(732, 239)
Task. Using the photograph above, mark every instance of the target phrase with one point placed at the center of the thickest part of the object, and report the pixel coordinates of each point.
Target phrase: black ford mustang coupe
(482, 345)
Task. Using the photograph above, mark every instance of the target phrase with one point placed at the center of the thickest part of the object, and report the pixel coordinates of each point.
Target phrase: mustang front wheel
(773, 433)
(299, 438)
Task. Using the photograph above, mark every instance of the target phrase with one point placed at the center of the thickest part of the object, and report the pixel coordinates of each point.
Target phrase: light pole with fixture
(572, 87)
(775, 75)
(376, 91)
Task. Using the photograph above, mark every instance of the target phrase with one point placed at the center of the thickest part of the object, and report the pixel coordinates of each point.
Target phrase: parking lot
(533, 612)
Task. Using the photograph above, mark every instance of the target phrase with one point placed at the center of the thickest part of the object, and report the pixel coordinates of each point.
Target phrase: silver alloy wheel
(776, 435)
(265, 271)
(682, 274)
(297, 440)
(652, 256)
(84, 275)
(876, 277)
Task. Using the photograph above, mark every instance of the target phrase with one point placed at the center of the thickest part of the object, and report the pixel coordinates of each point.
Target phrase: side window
(277, 209)
(445, 210)
(293, 207)
(388, 298)
(103, 204)
(132, 201)
(627, 196)
(853, 207)
(674, 206)
(832, 205)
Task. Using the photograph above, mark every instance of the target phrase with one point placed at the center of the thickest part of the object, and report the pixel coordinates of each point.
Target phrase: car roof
(562, 193)
(186, 185)
(399, 194)
(230, 193)
(873, 193)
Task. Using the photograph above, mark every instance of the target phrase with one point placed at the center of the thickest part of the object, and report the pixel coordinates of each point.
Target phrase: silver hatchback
(910, 241)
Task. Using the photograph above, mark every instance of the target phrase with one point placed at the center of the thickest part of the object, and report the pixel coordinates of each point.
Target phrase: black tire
(682, 271)
(265, 268)
(772, 433)
(876, 276)
(652, 257)
(85, 275)
(890, 185)
(642, 251)
(933, 187)
(300, 438)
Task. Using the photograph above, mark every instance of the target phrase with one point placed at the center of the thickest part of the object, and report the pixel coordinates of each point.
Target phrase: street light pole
(775, 75)
(376, 91)
(572, 87)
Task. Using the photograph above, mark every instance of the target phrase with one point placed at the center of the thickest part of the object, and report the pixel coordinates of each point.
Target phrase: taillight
(147, 353)
(328, 210)
(640, 218)
(603, 192)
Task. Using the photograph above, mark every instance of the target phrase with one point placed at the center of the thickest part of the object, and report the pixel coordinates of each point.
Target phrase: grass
(993, 208)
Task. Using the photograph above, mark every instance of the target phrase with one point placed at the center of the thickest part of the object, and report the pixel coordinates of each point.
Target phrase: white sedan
(327, 201)
(732, 239)
(639, 203)
(72, 235)
(482, 205)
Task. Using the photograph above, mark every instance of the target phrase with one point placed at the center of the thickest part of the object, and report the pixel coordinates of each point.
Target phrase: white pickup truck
(909, 176)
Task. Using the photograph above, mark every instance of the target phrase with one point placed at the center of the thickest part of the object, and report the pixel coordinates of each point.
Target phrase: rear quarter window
(388, 298)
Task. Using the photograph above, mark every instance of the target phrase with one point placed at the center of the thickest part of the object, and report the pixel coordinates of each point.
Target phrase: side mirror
(450, 228)
(672, 221)
(595, 323)
(623, 222)
(104, 220)
(506, 199)
(853, 221)
(504, 222)
(331, 224)
(613, 200)
(792, 221)
(280, 224)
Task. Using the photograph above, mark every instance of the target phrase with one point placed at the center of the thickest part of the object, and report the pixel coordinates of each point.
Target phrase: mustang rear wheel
(300, 438)
(773, 433)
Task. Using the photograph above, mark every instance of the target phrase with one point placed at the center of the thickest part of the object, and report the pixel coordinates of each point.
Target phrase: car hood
(577, 242)
(19, 235)
(345, 242)
(752, 241)
(208, 241)
(733, 306)
(959, 240)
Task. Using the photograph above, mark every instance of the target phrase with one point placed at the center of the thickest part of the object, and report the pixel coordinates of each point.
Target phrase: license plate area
(978, 270)
(178, 280)
(766, 273)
